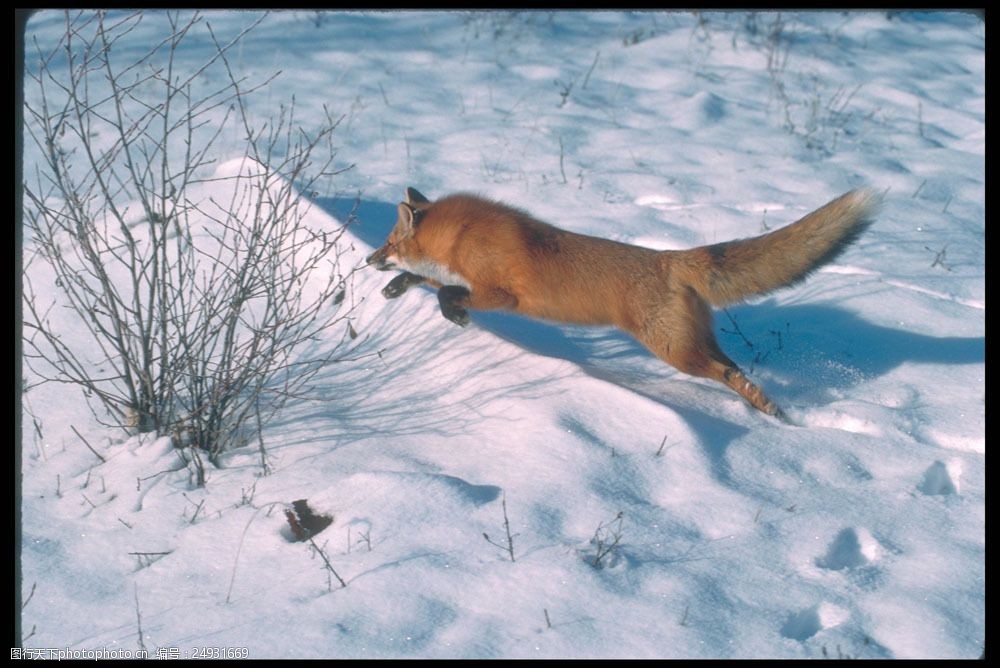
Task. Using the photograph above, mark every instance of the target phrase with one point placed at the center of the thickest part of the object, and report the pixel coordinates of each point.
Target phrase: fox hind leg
(734, 378)
(683, 337)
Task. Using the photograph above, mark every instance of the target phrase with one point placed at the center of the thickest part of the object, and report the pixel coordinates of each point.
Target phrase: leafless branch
(188, 302)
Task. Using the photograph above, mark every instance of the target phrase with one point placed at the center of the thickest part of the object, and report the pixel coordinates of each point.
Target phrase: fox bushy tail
(730, 272)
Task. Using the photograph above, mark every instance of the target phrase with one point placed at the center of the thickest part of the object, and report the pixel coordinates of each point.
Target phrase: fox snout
(380, 259)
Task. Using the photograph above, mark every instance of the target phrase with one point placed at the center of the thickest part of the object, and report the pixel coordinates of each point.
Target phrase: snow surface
(860, 531)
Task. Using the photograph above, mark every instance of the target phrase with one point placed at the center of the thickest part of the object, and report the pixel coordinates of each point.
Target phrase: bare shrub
(812, 110)
(176, 311)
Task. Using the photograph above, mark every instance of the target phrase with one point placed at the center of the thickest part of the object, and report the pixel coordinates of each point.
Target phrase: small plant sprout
(509, 547)
(366, 538)
(246, 495)
(606, 539)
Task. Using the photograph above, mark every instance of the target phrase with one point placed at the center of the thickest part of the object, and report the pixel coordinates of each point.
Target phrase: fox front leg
(455, 299)
(401, 284)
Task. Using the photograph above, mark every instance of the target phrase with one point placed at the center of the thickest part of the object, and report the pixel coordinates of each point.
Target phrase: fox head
(390, 255)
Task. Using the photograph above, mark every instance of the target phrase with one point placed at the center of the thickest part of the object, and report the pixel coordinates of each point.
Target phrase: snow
(859, 529)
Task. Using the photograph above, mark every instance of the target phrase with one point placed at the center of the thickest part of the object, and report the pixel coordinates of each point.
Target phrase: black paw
(457, 315)
(449, 297)
(394, 289)
(400, 284)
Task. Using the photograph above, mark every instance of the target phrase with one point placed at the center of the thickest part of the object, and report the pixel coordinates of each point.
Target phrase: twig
(158, 473)
(367, 538)
(239, 548)
(264, 465)
(737, 328)
(138, 620)
(147, 557)
(197, 508)
(326, 561)
(566, 89)
(30, 595)
(939, 258)
(89, 447)
(590, 71)
(561, 170)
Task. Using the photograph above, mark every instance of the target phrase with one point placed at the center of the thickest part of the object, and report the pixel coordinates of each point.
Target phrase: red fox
(483, 254)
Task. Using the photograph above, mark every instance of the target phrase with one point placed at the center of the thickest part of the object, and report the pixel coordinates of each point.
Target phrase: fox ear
(413, 196)
(407, 219)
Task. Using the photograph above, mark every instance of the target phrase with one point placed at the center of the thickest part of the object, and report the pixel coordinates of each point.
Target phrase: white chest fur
(434, 271)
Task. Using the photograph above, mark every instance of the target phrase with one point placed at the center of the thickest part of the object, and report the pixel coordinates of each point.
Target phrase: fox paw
(399, 285)
(457, 315)
(393, 290)
(450, 298)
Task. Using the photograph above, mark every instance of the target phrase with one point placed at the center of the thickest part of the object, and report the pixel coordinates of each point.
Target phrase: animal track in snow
(850, 549)
(940, 479)
(804, 624)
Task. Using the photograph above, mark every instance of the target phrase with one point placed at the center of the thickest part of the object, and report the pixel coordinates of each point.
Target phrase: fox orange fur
(486, 255)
